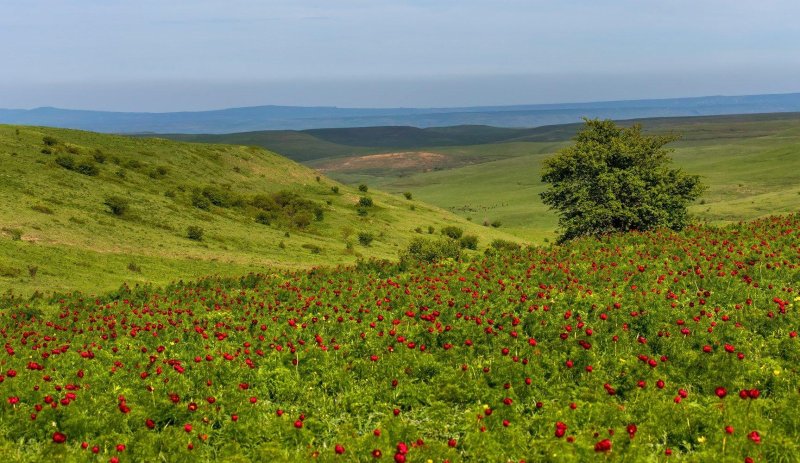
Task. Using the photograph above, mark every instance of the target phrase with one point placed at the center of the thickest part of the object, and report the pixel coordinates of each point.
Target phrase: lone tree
(615, 179)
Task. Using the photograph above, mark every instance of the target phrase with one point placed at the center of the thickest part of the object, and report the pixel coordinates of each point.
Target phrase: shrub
(15, 233)
(496, 223)
(427, 250)
(133, 267)
(158, 172)
(49, 141)
(453, 232)
(365, 202)
(117, 205)
(42, 208)
(67, 162)
(335, 189)
(362, 212)
(313, 248)
(365, 238)
(87, 168)
(121, 173)
(193, 232)
(263, 218)
(408, 195)
(199, 200)
(363, 188)
(99, 157)
(469, 242)
(505, 245)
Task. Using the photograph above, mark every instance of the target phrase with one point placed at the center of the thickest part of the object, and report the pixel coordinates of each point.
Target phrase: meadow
(491, 174)
(654, 347)
(58, 234)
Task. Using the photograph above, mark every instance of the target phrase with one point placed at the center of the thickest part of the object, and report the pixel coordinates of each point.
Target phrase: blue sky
(159, 55)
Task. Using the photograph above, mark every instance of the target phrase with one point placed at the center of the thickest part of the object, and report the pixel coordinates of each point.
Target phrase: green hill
(256, 209)
(750, 163)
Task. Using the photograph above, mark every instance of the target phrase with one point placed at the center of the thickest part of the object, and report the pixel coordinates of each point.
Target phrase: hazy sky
(164, 55)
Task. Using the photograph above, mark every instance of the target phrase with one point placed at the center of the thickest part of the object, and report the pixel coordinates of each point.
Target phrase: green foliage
(117, 205)
(365, 202)
(365, 238)
(335, 189)
(14, 233)
(158, 172)
(451, 231)
(363, 188)
(408, 195)
(505, 245)
(469, 242)
(87, 168)
(49, 141)
(42, 208)
(615, 179)
(66, 161)
(194, 232)
(428, 250)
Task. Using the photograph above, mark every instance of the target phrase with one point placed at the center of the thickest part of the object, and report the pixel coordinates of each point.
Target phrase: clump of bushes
(117, 205)
(365, 238)
(452, 232)
(195, 233)
(469, 242)
(365, 202)
(428, 250)
(83, 167)
(363, 188)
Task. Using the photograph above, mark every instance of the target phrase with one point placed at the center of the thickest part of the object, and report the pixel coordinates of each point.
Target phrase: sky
(177, 55)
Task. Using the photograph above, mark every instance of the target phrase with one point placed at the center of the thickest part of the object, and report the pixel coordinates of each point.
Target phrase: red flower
(339, 449)
(754, 436)
(603, 446)
(721, 392)
(59, 437)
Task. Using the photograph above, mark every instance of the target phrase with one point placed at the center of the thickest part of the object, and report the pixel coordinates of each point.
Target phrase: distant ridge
(302, 118)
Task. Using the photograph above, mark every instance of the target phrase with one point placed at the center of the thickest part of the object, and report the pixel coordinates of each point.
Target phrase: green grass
(54, 220)
(750, 163)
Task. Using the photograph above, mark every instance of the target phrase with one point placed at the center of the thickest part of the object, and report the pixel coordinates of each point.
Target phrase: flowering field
(643, 347)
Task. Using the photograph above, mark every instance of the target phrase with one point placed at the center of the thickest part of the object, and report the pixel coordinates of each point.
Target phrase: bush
(158, 172)
(15, 233)
(363, 188)
(453, 232)
(199, 200)
(67, 162)
(313, 248)
(505, 245)
(117, 205)
(365, 238)
(496, 223)
(335, 189)
(408, 195)
(193, 232)
(427, 250)
(362, 212)
(469, 242)
(365, 202)
(87, 168)
(99, 157)
(42, 208)
(49, 141)
(263, 218)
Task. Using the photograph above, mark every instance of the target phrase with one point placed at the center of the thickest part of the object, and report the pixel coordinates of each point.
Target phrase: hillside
(298, 118)
(257, 210)
(750, 162)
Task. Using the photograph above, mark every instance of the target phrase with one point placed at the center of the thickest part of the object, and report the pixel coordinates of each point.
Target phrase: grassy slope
(72, 242)
(751, 164)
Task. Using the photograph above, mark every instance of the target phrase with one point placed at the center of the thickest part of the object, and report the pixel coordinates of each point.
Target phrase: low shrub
(453, 232)
(195, 233)
(428, 250)
(469, 242)
(365, 238)
(117, 205)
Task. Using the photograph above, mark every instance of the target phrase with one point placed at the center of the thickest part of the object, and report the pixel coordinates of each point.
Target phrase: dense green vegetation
(87, 211)
(614, 179)
(654, 346)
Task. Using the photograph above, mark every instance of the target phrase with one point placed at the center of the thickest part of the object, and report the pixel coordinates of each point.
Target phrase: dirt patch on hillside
(407, 160)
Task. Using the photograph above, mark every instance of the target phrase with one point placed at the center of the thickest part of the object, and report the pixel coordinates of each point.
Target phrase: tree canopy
(615, 179)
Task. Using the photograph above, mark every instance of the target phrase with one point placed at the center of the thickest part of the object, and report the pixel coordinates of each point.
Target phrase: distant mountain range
(300, 118)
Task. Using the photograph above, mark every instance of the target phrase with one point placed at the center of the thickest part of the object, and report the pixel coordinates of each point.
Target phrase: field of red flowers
(642, 347)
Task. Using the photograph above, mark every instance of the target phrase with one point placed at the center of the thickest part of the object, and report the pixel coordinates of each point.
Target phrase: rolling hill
(298, 118)
(255, 210)
(751, 163)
